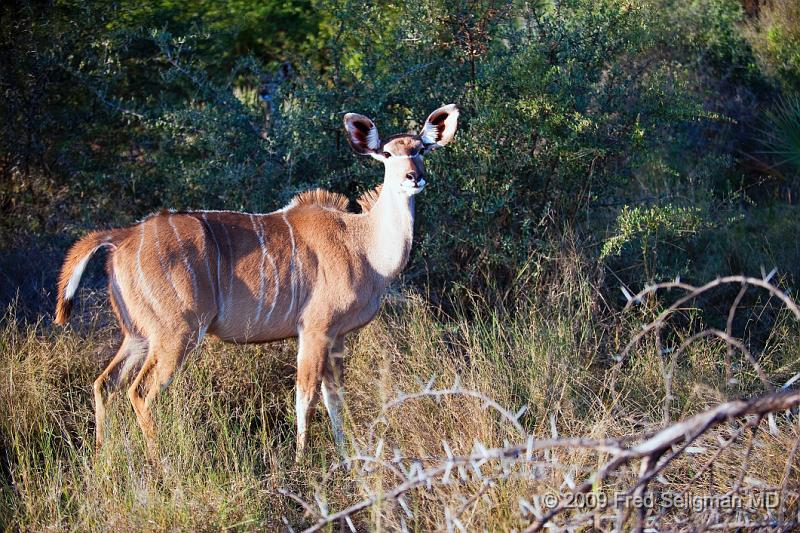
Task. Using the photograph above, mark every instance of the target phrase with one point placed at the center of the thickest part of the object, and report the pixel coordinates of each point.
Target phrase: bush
(571, 110)
(653, 233)
(775, 37)
(564, 109)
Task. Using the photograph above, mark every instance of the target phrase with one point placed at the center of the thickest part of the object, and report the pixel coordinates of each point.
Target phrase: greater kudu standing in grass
(311, 270)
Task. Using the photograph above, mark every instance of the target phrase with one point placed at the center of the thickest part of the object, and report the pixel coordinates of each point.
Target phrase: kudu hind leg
(332, 391)
(163, 358)
(312, 351)
(127, 349)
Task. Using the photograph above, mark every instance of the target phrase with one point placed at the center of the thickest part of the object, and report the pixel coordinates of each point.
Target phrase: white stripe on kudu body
(218, 288)
(167, 272)
(205, 257)
(144, 286)
(292, 263)
(185, 257)
(336, 265)
(276, 278)
(261, 275)
(231, 261)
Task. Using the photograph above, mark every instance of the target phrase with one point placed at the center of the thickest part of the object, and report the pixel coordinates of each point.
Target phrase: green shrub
(775, 37)
(563, 111)
(571, 110)
(653, 233)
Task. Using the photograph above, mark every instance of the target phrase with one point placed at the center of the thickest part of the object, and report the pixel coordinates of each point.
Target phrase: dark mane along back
(322, 198)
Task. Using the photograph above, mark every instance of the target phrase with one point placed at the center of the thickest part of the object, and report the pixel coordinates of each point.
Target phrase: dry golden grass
(226, 426)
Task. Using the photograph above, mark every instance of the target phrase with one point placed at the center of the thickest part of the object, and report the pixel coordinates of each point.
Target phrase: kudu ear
(440, 127)
(362, 134)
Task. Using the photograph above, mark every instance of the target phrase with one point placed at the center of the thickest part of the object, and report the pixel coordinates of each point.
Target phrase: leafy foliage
(653, 229)
(775, 36)
(572, 109)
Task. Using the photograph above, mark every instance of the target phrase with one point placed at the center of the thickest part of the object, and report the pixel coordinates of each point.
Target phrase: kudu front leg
(332, 391)
(312, 352)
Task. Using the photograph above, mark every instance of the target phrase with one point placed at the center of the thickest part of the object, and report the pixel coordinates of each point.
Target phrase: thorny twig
(691, 293)
(649, 450)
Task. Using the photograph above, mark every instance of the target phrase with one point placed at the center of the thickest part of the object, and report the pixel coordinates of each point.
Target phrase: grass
(226, 424)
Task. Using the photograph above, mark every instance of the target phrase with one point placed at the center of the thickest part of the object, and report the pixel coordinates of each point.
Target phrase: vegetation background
(602, 144)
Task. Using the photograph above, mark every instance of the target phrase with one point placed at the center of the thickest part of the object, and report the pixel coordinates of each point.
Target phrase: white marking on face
(417, 157)
(219, 299)
(408, 187)
(185, 258)
(142, 280)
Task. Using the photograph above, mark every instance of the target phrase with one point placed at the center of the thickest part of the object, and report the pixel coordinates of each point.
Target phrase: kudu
(311, 270)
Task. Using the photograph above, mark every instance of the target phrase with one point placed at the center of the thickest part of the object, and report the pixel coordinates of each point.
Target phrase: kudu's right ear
(362, 134)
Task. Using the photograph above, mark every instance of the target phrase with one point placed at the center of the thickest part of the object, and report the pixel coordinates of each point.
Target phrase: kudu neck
(392, 223)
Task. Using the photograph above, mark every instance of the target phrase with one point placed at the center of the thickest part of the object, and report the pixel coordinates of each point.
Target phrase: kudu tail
(72, 270)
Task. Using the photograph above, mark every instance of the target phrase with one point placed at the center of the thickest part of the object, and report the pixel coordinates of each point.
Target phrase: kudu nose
(413, 176)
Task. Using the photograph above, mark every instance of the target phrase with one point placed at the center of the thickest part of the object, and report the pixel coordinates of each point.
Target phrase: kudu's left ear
(440, 127)
(362, 134)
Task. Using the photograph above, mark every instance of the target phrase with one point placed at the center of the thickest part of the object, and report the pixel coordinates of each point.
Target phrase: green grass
(226, 424)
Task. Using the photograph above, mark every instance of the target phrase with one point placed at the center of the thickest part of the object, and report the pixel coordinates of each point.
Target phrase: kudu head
(402, 154)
